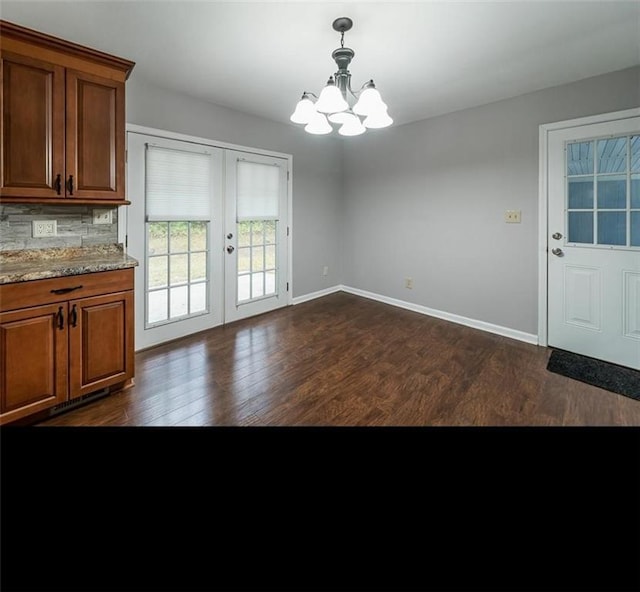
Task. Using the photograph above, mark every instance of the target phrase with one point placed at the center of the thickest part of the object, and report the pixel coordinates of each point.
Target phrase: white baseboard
(314, 295)
(447, 316)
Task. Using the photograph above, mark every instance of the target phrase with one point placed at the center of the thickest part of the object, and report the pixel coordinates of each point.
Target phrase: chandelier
(368, 112)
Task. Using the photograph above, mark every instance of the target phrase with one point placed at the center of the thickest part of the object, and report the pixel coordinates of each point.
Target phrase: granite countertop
(37, 264)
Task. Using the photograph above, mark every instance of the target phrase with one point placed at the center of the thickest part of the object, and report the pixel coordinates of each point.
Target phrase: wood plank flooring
(342, 360)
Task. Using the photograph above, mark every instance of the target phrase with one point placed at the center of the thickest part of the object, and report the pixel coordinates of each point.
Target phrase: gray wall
(74, 225)
(426, 200)
(317, 170)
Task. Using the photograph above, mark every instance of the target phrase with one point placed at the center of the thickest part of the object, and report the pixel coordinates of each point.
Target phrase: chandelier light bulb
(342, 117)
(331, 100)
(352, 128)
(318, 125)
(370, 102)
(377, 120)
(305, 110)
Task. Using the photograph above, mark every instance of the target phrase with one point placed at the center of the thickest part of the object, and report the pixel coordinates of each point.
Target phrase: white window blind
(178, 184)
(258, 191)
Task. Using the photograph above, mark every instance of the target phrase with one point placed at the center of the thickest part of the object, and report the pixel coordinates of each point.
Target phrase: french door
(209, 228)
(255, 234)
(594, 240)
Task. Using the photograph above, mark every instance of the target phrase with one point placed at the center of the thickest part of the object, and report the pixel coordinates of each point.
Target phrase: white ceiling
(427, 58)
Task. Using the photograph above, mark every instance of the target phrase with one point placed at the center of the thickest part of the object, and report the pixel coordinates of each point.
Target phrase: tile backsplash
(75, 227)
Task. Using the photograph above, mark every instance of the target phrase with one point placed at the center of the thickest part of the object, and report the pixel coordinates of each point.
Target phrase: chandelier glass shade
(368, 111)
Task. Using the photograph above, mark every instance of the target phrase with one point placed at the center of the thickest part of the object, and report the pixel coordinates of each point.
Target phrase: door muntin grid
(602, 204)
(177, 271)
(257, 260)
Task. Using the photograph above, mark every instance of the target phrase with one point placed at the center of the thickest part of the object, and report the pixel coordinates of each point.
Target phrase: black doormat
(611, 377)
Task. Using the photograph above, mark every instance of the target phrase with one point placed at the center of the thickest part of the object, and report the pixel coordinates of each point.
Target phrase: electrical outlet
(325, 270)
(44, 228)
(408, 283)
(512, 216)
(102, 216)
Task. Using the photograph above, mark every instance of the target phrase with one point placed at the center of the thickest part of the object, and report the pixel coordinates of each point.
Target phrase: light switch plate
(102, 216)
(512, 216)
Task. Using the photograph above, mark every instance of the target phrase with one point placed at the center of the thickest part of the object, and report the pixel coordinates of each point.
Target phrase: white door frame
(543, 203)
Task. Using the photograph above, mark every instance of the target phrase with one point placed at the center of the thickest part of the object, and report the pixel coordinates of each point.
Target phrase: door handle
(230, 249)
(58, 184)
(73, 316)
(60, 318)
(70, 184)
(557, 252)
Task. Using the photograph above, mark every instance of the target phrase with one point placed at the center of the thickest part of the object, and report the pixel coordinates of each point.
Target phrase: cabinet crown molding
(10, 30)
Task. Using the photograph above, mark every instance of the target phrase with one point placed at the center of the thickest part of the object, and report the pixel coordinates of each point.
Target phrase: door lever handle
(557, 252)
(230, 249)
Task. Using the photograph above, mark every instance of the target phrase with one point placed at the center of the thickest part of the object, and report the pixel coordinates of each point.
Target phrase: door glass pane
(612, 155)
(635, 229)
(178, 301)
(198, 236)
(270, 257)
(178, 237)
(612, 228)
(188, 268)
(158, 242)
(157, 302)
(198, 301)
(580, 158)
(612, 192)
(270, 232)
(257, 259)
(158, 268)
(198, 266)
(257, 285)
(244, 234)
(270, 282)
(257, 233)
(179, 271)
(635, 153)
(635, 191)
(581, 227)
(244, 259)
(244, 287)
(581, 193)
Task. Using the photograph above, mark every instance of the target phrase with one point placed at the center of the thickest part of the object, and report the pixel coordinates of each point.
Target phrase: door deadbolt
(556, 235)
(230, 236)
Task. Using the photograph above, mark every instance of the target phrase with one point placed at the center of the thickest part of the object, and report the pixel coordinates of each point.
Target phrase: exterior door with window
(256, 234)
(594, 241)
(175, 231)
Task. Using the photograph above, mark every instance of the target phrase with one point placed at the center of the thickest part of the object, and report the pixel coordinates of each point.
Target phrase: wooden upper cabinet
(32, 127)
(95, 137)
(63, 120)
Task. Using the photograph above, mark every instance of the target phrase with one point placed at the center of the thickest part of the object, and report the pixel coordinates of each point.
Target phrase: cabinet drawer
(39, 292)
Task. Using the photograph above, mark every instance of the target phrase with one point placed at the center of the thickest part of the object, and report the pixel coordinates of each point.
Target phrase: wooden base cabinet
(56, 352)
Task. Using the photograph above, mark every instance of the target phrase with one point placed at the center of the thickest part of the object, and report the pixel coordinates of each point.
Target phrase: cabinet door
(32, 127)
(33, 360)
(94, 137)
(100, 342)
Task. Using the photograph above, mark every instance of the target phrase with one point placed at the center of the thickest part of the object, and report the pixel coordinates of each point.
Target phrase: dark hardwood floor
(345, 360)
